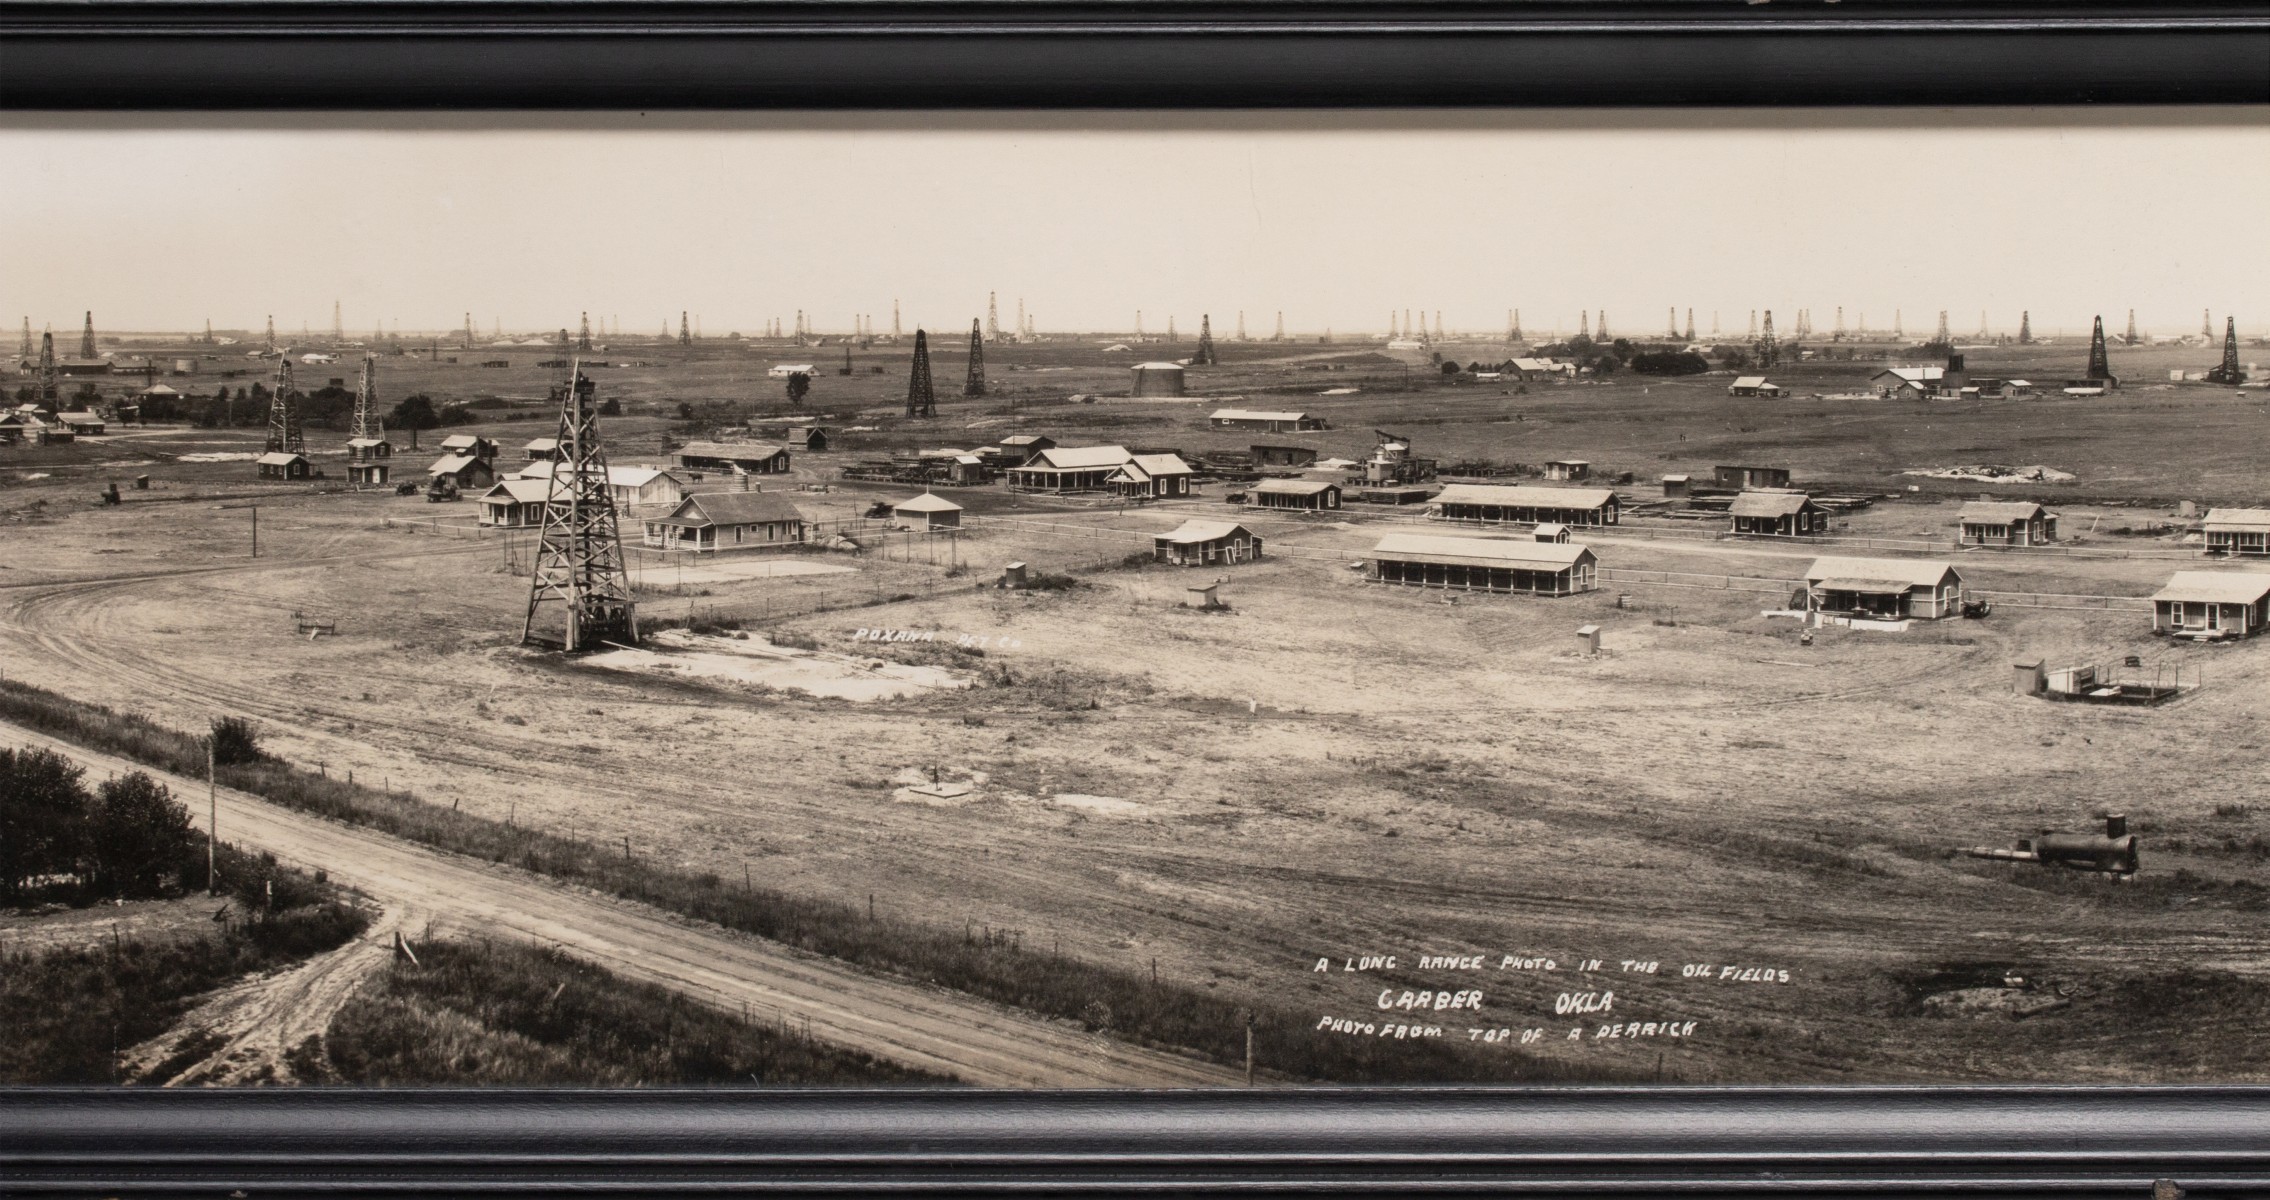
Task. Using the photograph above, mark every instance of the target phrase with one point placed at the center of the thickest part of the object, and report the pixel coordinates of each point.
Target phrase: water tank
(1157, 379)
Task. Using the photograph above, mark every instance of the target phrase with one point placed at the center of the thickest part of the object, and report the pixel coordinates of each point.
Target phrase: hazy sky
(166, 222)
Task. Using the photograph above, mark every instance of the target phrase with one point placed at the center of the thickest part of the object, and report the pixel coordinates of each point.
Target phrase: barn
(1778, 514)
(2238, 531)
(745, 458)
(276, 464)
(1478, 564)
(1197, 543)
(1889, 588)
(807, 437)
(2223, 604)
(709, 521)
(86, 424)
(1307, 494)
(929, 512)
(1523, 504)
(1264, 420)
(2005, 523)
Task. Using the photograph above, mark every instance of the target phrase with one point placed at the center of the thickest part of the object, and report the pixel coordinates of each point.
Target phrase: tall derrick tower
(2025, 328)
(284, 414)
(271, 333)
(26, 353)
(894, 320)
(1839, 334)
(583, 335)
(366, 425)
(1172, 337)
(992, 319)
(1280, 326)
(1690, 324)
(1240, 325)
(1584, 324)
(1898, 331)
(48, 375)
(468, 332)
(1205, 355)
(2131, 337)
(2206, 323)
(579, 551)
(1769, 347)
(338, 325)
(1673, 325)
(1942, 336)
(87, 339)
(2229, 372)
(975, 386)
(2100, 363)
(921, 400)
(685, 332)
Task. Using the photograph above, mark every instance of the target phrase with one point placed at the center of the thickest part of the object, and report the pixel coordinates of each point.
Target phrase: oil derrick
(1391, 324)
(1897, 330)
(1768, 347)
(921, 401)
(563, 339)
(1601, 332)
(208, 333)
(1714, 322)
(2131, 339)
(976, 384)
(1839, 334)
(2229, 372)
(1942, 336)
(1690, 325)
(1438, 324)
(992, 320)
(1020, 316)
(579, 553)
(468, 332)
(366, 425)
(1138, 324)
(894, 320)
(1205, 356)
(583, 335)
(1673, 327)
(284, 414)
(685, 337)
(1171, 336)
(1513, 326)
(1407, 331)
(1984, 333)
(338, 326)
(1584, 325)
(26, 353)
(847, 358)
(271, 333)
(1241, 325)
(87, 339)
(47, 372)
(2025, 329)
(2206, 324)
(2100, 363)
(1280, 326)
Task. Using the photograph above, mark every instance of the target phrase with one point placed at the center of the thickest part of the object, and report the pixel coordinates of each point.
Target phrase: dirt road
(921, 1027)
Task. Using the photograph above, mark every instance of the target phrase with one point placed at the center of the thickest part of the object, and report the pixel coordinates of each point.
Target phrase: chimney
(2116, 826)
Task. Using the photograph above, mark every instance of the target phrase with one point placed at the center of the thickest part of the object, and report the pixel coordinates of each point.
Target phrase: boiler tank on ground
(2113, 851)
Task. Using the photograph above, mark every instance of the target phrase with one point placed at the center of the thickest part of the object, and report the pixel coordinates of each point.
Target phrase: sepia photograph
(1135, 599)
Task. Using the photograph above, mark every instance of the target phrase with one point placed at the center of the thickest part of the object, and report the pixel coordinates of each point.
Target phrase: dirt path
(922, 1027)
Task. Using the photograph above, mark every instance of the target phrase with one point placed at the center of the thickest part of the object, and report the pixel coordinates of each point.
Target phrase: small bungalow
(1306, 494)
(1778, 514)
(540, 450)
(1746, 478)
(709, 521)
(515, 503)
(2005, 523)
(1550, 532)
(629, 487)
(1022, 446)
(1885, 588)
(2238, 530)
(83, 423)
(1524, 504)
(1153, 477)
(1908, 383)
(470, 445)
(1485, 564)
(929, 512)
(740, 458)
(1754, 385)
(2225, 604)
(277, 464)
(1568, 470)
(466, 471)
(1264, 420)
(1197, 543)
(807, 437)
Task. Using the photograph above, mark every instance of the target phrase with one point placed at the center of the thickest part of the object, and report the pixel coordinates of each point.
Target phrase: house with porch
(2244, 531)
(1198, 543)
(1889, 589)
(1777, 514)
(711, 521)
(1309, 495)
(2212, 604)
(2005, 523)
(514, 503)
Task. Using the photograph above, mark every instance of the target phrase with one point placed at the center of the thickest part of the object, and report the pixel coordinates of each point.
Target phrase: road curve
(929, 1028)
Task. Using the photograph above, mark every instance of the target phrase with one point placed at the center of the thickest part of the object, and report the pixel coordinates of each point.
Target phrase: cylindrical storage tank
(1158, 379)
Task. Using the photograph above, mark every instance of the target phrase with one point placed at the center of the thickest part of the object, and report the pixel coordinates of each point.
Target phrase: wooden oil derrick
(1941, 336)
(921, 400)
(2025, 329)
(583, 336)
(1690, 324)
(284, 414)
(366, 425)
(2100, 363)
(1205, 356)
(579, 552)
(2229, 372)
(685, 334)
(25, 354)
(2206, 323)
(48, 376)
(975, 385)
(1280, 326)
(87, 339)
(992, 320)
(1673, 326)
(2131, 337)
(1768, 349)
(338, 324)
(271, 333)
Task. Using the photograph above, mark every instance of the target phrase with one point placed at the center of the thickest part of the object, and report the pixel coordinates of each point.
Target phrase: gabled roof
(1522, 552)
(518, 491)
(450, 464)
(1523, 496)
(1769, 504)
(2000, 512)
(278, 458)
(1162, 464)
(1907, 572)
(1294, 487)
(81, 417)
(730, 450)
(461, 439)
(541, 444)
(2238, 518)
(1913, 374)
(1018, 441)
(1065, 458)
(733, 508)
(1194, 531)
(2216, 587)
(926, 503)
(365, 443)
(1750, 381)
(1255, 414)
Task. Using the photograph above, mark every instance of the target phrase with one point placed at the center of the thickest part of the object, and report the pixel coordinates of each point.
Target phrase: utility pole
(212, 811)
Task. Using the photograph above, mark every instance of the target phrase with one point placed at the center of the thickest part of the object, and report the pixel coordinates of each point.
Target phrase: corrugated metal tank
(1157, 379)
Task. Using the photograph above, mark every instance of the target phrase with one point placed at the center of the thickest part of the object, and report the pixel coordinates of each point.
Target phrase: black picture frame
(125, 55)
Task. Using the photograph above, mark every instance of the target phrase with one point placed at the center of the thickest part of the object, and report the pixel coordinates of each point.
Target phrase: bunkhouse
(1777, 514)
(540, 450)
(2238, 530)
(1754, 385)
(83, 423)
(2005, 523)
(928, 512)
(1568, 470)
(807, 437)
(464, 470)
(1483, 564)
(470, 445)
(707, 521)
(277, 464)
(1524, 504)
(1888, 588)
(1284, 456)
(629, 486)
(2212, 604)
(514, 503)
(1265, 420)
(1306, 494)
(1746, 478)
(740, 458)
(1061, 469)
(1152, 477)
(1197, 543)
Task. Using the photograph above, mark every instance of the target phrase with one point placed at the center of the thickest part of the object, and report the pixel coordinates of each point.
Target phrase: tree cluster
(127, 837)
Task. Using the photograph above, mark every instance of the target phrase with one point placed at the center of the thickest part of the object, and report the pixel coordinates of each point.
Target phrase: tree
(42, 816)
(414, 413)
(138, 836)
(1669, 362)
(799, 386)
(235, 741)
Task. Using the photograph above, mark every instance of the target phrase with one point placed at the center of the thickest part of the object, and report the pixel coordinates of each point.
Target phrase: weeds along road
(920, 1027)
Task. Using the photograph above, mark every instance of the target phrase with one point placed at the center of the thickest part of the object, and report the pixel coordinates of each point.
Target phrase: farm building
(1264, 420)
(465, 470)
(1745, 478)
(1890, 588)
(2238, 530)
(629, 487)
(709, 521)
(1538, 368)
(276, 464)
(807, 437)
(1485, 564)
(745, 458)
(1197, 543)
(1778, 514)
(929, 512)
(85, 424)
(1284, 456)
(1294, 493)
(470, 445)
(1754, 385)
(540, 450)
(1568, 470)
(1908, 383)
(514, 503)
(2231, 604)
(1157, 379)
(1524, 504)
(2005, 523)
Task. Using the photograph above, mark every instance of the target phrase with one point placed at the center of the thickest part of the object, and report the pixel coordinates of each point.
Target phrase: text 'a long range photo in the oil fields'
(1135, 600)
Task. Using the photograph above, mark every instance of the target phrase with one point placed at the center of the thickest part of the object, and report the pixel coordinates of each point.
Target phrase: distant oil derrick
(87, 339)
(284, 414)
(2206, 324)
(1584, 324)
(1898, 330)
(685, 334)
(365, 425)
(1601, 333)
(2025, 329)
(1941, 336)
(894, 320)
(1171, 335)
(1280, 326)
(921, 399)
(1839, 332)
(2131, 338)
(1241, 325)
(338, 326)
(1752, 335)
(26, 353)
(468, 332)
(583, 335)
(1205, 355)
(2100, 363)
(579, 550)
(992, 319)
(1672, 329)
(2229, 372)
(1768, 349)
(1438, 325)
(1690, 324)
(975, 386)
(48, 375)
